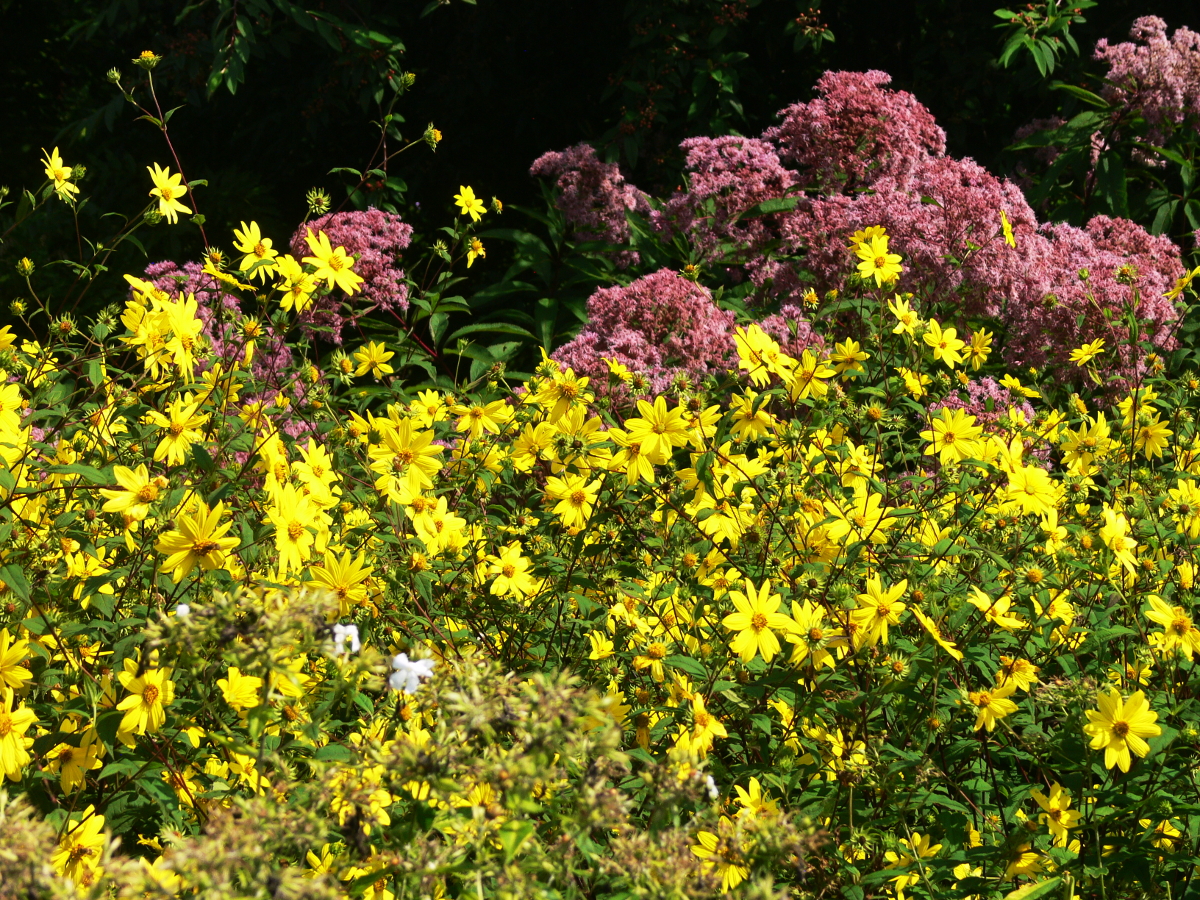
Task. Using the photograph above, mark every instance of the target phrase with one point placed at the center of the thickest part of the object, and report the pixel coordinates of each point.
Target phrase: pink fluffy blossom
(857, 132)
(1155, 76)
(659, 326)
(593, 195)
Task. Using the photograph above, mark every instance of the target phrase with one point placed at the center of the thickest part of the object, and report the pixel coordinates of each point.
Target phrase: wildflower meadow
(825, 525)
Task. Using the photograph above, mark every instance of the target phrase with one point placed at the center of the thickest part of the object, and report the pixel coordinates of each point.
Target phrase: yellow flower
(346, 577)
(136, 492)
(373, 357)
(907, 321)
(511, 571)
(168, 189)
(1179, 633)
(479, 418)
(657, 430)
(756, 621)
(1020, 672)
(705, 727)
(722, 854)
(475, 251)
(945, 344)
(297, 286)
(877, 609)
(240, 691)
(1085, 354)
(80, 848)
(576, 498)
(953, 436)
(1031, 489)
(257, 249)
(334, 266)
(993, 705)
(181, 423)
(14, 722)
(877, 262)
(198, 539)
(149, 694)
(979, 349)
(12, 654)
(1006, 228)
(469, 204)
(1121, 726)
(59, 174)
(808, 378)
(936, 633)
(996, 611)
(1056, 814)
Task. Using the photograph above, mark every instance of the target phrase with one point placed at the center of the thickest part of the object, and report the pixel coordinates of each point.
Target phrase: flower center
(175, 429)
(656, 651)
(1120, 729)
(578, 499)
(335, 262)
(203, 548)
(295, 529)
(6, 725)
(150, 695)
(758, 621)
(147, 493)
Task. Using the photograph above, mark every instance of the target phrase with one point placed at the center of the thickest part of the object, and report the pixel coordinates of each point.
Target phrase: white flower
(711, 784)
(409, 672)
(183, 610)
(343, 633)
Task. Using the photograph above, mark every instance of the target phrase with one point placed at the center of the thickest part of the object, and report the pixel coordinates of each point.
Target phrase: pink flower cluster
(660, 326)
(593, 196)
(377, 239)
(1155, 76)
(943, 215)
(865, 155)
(856, 132)
(726, 176)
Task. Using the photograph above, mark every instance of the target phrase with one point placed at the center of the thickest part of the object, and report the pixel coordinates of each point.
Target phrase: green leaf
(686, 664)
(1034, 891)
(1085, 95)
(15, 579)
(767, 207)
(513, 834)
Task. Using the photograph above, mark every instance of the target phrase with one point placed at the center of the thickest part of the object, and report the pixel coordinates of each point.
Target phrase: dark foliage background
(504, 81)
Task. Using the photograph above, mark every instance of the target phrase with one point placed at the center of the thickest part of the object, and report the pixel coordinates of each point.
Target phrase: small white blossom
(711, 784)
(343, 633)
(183, 610)
(409, 672)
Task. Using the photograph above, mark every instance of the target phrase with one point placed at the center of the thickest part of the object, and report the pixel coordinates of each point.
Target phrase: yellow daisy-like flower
(877, 262)
(198, 539)
(168, 189)
(756, 621)
(149, 694)
(15, 720)
(469, 204)
(1120, 727)
(334, 265)
(59, 174)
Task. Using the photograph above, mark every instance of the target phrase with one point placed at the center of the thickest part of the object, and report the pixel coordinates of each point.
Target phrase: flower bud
(113, 76)
(153, 217)
(25, 267)
(147, 60)
(432, 136)
(318, 201)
